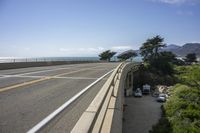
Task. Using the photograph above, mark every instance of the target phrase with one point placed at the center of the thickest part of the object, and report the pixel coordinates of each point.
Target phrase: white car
(138, 93)
(162, 97)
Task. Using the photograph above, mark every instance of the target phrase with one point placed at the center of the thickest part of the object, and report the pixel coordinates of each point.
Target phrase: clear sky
(38, 28)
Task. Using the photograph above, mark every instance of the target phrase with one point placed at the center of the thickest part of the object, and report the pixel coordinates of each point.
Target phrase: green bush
(189, 75)
(182, 110)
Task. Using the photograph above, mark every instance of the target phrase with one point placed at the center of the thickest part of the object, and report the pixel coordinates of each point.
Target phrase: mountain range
(183, 50)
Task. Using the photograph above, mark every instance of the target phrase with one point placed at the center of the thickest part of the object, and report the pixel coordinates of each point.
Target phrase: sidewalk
(141, 114)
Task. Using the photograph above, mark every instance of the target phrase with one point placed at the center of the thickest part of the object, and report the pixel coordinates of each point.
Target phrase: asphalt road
(28, 95)
(141, 114)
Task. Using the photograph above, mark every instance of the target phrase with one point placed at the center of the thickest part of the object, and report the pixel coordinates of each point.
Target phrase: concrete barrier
(4, 66)
(117, 117)
(105, 112)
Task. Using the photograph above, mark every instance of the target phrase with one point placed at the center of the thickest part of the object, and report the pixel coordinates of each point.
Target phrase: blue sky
(42, 28)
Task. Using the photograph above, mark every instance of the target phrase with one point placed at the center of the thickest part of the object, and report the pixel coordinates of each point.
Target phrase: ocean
(47, 59)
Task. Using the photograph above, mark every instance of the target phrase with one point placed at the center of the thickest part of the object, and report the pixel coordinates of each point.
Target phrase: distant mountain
(184, 50)
(171, 47)
(180, 50)
(189, 48)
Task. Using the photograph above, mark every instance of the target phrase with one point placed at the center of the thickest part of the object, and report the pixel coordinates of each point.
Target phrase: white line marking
(54, 70)
(48, 70)
(54, 77)
(45, 71)
(58, 75)
(74, 78)
(62, 107)
(40, 71)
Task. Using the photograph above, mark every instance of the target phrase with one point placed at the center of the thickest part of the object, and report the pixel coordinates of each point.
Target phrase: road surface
(141, 114)
(28, 95)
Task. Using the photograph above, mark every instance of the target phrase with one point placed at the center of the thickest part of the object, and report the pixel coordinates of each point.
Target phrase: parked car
(155, 94)
(163, 95)
(138, 93)
(161, 99)
(146, 89)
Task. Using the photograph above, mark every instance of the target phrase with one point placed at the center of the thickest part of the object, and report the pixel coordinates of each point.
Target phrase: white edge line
(35, 72)
(62, 107)
(47, 70)
(19, 76)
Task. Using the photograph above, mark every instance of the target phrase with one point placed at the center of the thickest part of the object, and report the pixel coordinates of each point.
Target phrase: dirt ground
(140, 114)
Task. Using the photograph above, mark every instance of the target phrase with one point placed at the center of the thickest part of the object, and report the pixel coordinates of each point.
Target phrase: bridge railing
(98, 116)
(105, 113)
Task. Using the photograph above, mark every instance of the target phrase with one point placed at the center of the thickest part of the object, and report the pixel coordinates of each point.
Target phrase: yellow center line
(22, 84)
(39, 80)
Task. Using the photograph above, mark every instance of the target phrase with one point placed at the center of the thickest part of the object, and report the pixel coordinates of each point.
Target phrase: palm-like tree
(146, 50)
(151, 47)
(127, 55)
(106, 55)
(157, 42)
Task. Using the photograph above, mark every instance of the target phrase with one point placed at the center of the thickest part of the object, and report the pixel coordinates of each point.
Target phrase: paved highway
(29, 95)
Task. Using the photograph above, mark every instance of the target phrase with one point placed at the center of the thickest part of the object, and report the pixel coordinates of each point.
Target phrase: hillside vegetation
(181, 113)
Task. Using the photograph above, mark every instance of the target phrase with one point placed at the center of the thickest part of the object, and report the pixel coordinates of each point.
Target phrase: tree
(194, 76)
(127, 55)
(150, 48)
(157, 42)
(107, 55)
(146, 51)
(161, 62)
(191, 57)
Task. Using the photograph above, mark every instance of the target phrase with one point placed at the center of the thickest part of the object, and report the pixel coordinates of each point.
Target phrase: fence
(47, 59)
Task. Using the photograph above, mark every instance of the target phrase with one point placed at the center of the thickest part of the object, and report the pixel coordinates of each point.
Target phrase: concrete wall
(4, 66)
(118, 113)
(105, 113)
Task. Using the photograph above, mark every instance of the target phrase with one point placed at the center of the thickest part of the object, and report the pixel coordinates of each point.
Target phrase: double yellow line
(39, 80)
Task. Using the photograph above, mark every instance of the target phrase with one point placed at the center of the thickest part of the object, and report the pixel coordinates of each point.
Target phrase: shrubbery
(189, 75)
(183, 109)
(181, 113)
(149, 75)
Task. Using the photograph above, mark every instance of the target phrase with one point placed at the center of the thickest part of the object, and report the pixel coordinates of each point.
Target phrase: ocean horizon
(40, 59)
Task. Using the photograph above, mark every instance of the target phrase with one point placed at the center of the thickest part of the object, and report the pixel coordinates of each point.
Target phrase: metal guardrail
(98, 116)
